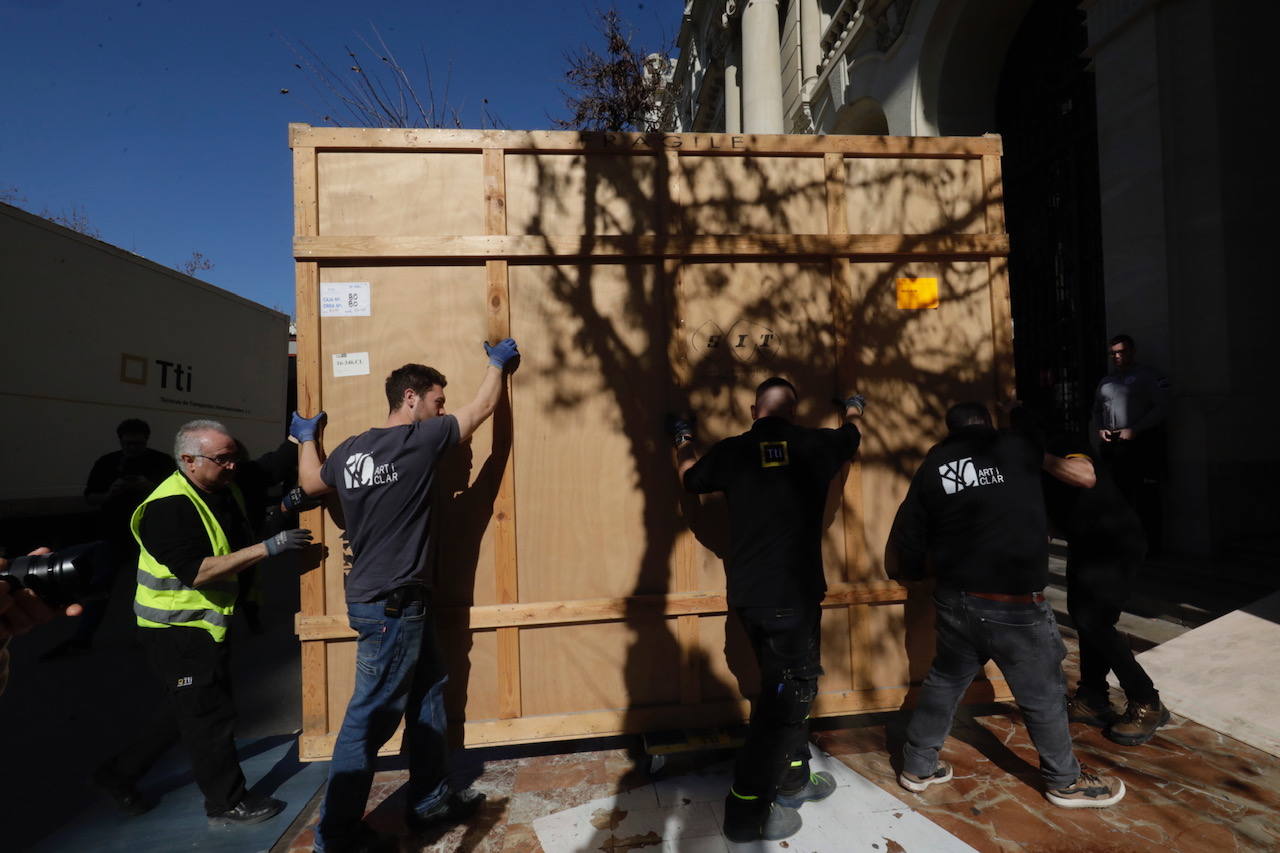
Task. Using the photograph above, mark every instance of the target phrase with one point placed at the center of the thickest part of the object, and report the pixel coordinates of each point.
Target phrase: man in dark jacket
(1106, 547)
(775, 478)
(975, 514)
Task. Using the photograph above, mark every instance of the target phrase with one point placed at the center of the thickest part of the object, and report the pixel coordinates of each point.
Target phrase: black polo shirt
(775, 478)
(975, 511)
(172, 532)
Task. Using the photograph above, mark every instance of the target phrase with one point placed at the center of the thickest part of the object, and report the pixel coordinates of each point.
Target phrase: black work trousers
(199, 709)
(1099, 583)
(786, 642)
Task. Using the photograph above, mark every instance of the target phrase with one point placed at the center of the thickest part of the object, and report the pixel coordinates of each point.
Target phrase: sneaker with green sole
(819, 786)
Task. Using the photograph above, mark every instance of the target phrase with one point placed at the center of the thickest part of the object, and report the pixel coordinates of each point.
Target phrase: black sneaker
(778, 823)
(912, 782)
(819, 786)
(248, 811)
(455, 808)
(1090, 791)
(126, 798)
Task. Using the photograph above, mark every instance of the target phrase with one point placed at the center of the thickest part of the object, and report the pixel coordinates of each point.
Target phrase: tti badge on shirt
(773, 454)
(361, 470)
(963, 474)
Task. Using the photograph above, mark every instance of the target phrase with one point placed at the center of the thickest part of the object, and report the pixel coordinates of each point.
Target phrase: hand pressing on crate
(503, 355)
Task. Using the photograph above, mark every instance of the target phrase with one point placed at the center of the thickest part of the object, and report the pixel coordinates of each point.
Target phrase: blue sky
(162, 121)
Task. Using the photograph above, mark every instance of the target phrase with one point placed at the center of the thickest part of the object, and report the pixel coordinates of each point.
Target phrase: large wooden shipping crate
(580, 592)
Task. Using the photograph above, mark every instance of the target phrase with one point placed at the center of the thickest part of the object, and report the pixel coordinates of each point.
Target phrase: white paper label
(351, 364)
(344, 299)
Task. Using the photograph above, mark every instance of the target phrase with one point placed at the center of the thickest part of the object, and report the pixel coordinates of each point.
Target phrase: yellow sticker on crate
(917, 293)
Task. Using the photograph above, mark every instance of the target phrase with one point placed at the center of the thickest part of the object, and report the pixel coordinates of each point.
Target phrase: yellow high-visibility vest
(164, 601)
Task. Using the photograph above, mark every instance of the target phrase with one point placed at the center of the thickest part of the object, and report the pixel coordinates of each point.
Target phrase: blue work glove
(287, 540)
(305, 429)
(296, 500)
(502, 353)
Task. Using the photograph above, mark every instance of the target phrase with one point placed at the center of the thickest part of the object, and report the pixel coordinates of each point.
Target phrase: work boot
(255, 809)
(912, 782)
(746, 823)
(818, 786)
(1138, 724)
(1090, 709)
(1090, 791)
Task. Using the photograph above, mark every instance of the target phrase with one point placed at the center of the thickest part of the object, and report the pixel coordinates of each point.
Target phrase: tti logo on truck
(173, 375)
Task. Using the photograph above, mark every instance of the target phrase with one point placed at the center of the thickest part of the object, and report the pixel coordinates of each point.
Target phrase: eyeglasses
(222, 460)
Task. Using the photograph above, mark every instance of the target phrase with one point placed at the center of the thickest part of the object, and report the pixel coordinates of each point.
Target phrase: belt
(402, 597)
(1007, 598)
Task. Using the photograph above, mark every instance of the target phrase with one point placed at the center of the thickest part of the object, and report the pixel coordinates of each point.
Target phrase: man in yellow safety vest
(194, 539)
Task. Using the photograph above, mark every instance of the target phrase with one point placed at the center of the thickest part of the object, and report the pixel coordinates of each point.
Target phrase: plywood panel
(472, 660)
(754, 195)
(393, 194)
(913, 365)
(433, 316)
(576, 668)
(914, 196)
(596, 489)
(581, 194)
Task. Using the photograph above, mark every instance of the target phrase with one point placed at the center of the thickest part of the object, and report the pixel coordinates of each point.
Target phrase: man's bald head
(775, 397)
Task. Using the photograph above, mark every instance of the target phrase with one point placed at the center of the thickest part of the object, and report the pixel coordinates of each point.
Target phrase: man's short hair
(412, 377)
(1122, 339)
(133, 426)
(967, 414)
(775, 382)
(187, 443)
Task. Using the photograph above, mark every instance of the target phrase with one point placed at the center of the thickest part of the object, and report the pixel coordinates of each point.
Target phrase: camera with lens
(59, 578)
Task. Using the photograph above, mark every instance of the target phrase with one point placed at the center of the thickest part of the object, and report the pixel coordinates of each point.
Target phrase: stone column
(810, 45)
(761, 68)
(733, 83)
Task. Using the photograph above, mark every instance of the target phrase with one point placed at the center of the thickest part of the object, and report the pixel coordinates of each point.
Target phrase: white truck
(92, 335)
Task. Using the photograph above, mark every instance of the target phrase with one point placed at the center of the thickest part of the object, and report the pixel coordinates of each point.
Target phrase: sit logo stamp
(360, 469)
(745, 342)
(773, 454)
(186, 681)
(964, 474)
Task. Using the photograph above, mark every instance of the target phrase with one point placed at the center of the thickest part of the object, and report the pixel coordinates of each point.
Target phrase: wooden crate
(580, 592)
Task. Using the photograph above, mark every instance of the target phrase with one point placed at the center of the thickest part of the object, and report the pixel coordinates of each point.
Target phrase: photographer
(20, 611)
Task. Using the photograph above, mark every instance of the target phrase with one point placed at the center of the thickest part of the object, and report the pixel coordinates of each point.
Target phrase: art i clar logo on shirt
(964, 474)
(360, 469)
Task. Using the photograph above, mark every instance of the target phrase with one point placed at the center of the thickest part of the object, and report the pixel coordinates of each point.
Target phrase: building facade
(1132, 204)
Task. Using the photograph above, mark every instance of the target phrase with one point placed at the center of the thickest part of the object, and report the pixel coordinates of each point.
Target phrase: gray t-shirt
(384, 478)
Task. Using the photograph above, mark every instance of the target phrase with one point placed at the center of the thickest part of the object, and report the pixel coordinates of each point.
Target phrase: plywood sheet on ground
(1225, 674)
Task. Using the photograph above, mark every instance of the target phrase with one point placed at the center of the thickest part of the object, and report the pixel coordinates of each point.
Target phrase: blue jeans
(399, 673)
(1024, 641)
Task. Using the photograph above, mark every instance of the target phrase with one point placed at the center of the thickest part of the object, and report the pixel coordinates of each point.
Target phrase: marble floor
(1190, 790)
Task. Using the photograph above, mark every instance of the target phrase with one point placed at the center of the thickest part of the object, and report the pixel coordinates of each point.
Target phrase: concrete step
(1172, 595)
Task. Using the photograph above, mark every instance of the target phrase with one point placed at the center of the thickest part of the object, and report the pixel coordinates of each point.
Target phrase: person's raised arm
(1074, 470)
(306, 432)
(503, 357)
